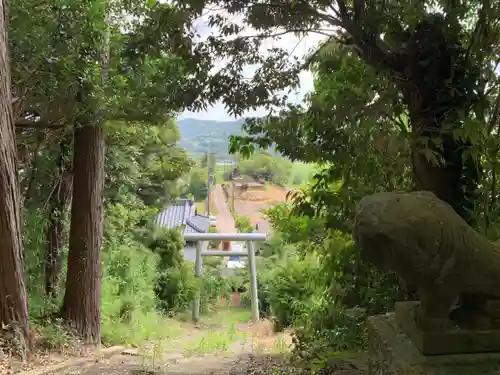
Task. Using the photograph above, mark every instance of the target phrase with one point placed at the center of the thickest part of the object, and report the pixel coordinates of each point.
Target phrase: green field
(301, 174)
(219, 174)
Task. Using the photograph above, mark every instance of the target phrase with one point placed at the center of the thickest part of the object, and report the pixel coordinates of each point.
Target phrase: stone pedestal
(453, 341)
(391, 352)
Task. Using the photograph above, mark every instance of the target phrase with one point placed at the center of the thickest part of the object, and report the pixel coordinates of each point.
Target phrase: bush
(243, 224)
(176, 288)
(129, 272)
(347, 290)
(291, 287)
(313, 279)
(197, 185)
(214, 244)
(286, 287)
(175, 283)
(213, 285)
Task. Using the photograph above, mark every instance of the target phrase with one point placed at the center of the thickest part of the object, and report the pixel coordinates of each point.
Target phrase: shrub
(347, 290)
(285, 287)
(214, 244)
(291, 286)
(129, 271)
(243, 224)
(176, 288)
(213, 285)
(175, 282)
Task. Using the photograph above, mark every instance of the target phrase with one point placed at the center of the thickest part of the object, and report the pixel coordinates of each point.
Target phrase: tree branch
(23, 123)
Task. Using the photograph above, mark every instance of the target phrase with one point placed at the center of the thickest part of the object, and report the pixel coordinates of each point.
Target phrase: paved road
(225, 220)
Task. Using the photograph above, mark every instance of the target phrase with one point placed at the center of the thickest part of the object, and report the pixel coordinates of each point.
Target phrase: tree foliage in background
(197, 184)
(265, 166)
(431, 78)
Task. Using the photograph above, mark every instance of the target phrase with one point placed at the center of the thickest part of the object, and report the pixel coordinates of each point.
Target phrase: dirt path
(214, 349)
(225, 220)
(224, 344)
(248, 356)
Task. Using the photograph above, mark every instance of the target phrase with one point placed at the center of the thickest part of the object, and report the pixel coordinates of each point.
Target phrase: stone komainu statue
(429, 245)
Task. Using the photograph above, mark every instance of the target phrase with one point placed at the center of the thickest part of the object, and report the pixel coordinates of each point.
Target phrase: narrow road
(225, 220)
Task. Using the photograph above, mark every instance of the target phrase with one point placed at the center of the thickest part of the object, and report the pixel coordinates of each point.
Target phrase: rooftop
(182, 213)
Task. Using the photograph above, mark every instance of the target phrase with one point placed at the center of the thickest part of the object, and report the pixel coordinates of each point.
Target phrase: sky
(299, 47)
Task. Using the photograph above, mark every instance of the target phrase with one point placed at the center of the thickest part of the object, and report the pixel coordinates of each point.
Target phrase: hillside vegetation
(200, 136)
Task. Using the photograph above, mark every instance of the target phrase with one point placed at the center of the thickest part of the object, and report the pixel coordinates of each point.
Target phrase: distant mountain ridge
(200, 136)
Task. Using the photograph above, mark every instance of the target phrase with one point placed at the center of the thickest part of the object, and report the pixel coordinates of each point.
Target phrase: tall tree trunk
(442, 169)
(13, 301)
(59, 202)
(82, 299)
(81, 306)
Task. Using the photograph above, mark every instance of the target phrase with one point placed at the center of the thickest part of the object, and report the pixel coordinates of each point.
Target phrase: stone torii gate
(249, 252)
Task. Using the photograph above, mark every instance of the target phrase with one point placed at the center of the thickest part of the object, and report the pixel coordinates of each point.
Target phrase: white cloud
(299, 47)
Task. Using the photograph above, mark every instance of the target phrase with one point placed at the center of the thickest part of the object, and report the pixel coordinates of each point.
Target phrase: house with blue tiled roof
(182, 215)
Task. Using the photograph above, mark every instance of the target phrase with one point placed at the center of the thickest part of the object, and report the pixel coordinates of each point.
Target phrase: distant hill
(200, 136)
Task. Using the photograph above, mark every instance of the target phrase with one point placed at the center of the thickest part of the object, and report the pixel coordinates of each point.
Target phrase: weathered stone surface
(430, 246)
(392, 353)
(452, 341)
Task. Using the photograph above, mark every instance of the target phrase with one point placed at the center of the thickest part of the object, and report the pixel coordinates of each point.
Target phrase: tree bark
(13, 301)
(81, 306)
(59, 203)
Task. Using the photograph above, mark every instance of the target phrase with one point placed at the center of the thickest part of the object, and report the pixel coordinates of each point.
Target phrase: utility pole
(208, 184)
(232, 196)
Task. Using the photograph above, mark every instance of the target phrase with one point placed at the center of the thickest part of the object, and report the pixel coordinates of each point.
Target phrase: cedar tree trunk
(13, 301)
(81, 306)
(59, 202)
(82, 298)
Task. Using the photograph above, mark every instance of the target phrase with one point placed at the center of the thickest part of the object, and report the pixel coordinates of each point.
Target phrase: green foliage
(214, 285)
(169, 246)
(214, 244)
(208, 160)
(176, 288)
(312, 278)
(385, 64)
(197, 186)
(144, 159)
(290, 288)
(264, 166)
(201, 136)
(175, 282)
(243, 224)
(130, 269)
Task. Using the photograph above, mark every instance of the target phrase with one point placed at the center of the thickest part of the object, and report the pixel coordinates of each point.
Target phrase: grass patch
(219, 174)
(143, 328)
(301, 174)
(216, 341)
(53, 335)
(201, 207)
(228, 316)
(224, 316)
(221, 333)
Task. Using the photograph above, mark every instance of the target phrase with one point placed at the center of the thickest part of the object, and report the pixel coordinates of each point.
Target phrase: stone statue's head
(375, 230)
(376, 248)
